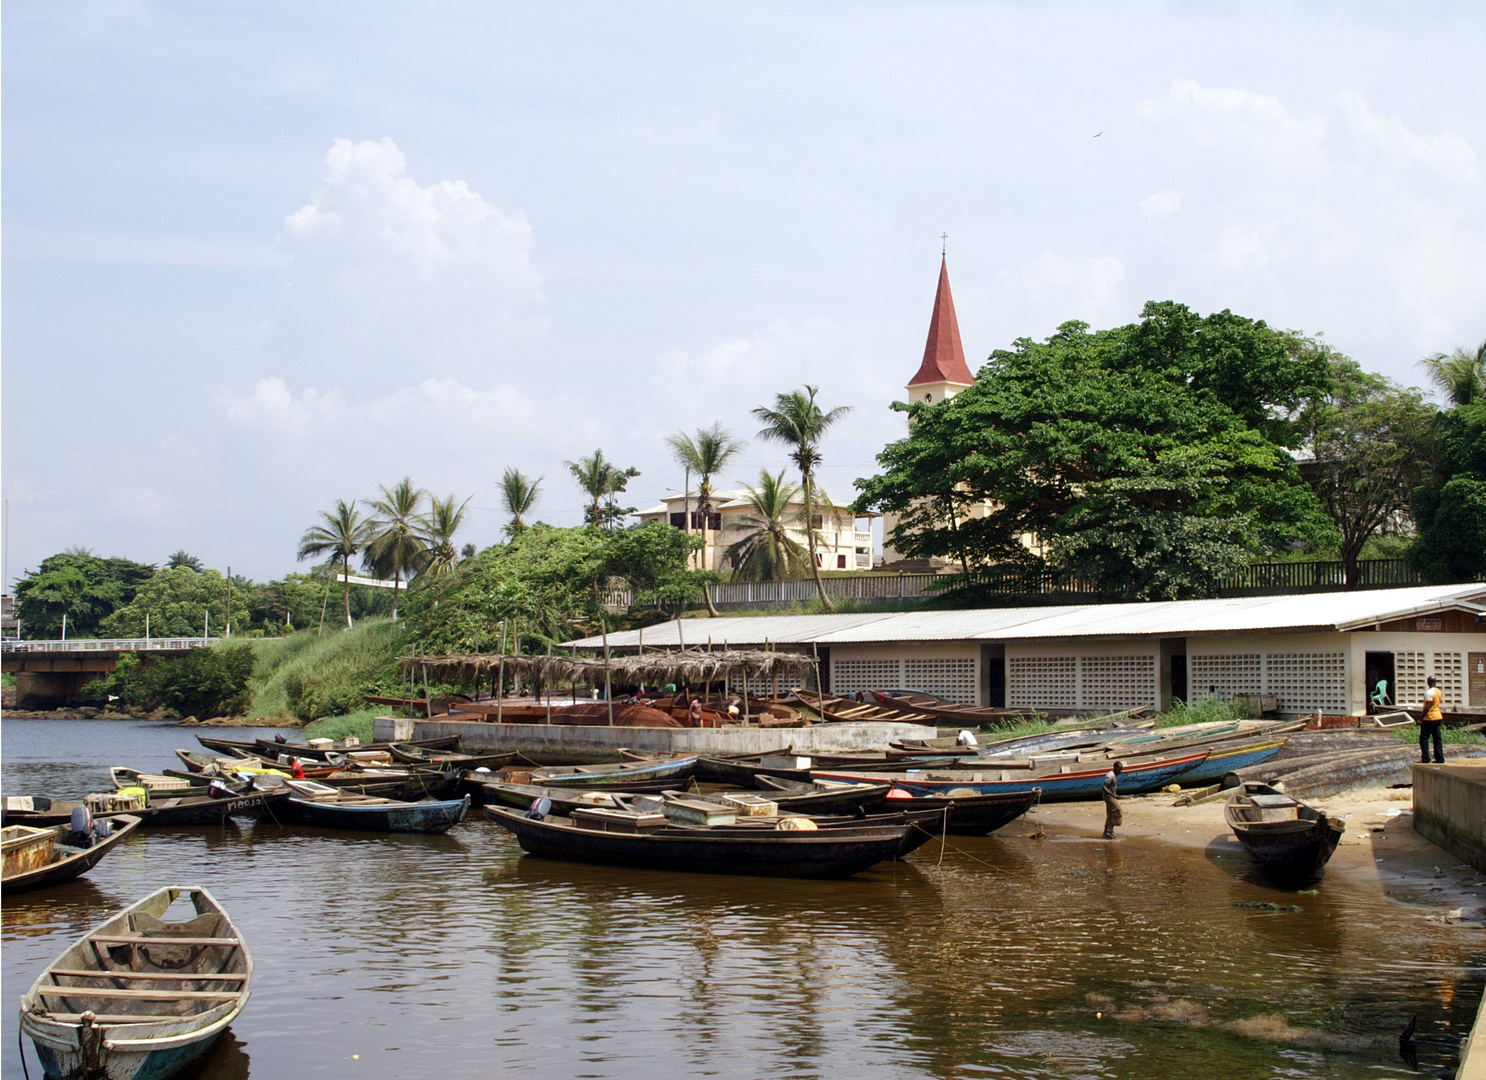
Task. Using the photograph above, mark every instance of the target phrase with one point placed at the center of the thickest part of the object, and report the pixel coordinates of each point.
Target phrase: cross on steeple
(944, 243)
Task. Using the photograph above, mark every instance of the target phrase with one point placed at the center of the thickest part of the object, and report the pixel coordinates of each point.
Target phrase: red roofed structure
(944, 356)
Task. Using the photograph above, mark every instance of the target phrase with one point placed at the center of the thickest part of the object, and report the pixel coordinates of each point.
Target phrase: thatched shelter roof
(685, 665)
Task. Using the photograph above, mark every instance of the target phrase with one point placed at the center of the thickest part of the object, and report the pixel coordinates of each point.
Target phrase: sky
(261, 257)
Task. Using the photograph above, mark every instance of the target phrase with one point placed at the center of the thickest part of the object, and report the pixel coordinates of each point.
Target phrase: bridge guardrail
(12, 645)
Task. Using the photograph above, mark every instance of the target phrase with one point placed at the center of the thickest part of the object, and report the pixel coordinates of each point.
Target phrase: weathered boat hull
(424, 817)
(1087, 784)
(744, 771)
(128, 1041)
(824, 854)
(619, 777)
(1294, 850)
(74, 861)
(978, 815)
(1223, 761)
(807, 798)
(204, 810)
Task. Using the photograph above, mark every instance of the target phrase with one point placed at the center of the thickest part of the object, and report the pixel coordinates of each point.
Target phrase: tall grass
(1208, 711)
(1454, 735)
(338, 727)
(309, 676)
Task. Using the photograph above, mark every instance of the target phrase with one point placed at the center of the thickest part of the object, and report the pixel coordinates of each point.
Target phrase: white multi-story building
(842, 541)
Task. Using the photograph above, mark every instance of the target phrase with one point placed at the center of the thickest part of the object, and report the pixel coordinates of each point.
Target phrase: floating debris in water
(1266, 905)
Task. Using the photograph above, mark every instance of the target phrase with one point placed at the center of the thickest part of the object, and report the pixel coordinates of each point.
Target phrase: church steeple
(943, 372)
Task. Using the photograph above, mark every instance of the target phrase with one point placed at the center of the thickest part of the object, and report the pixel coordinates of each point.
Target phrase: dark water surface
(456, 955)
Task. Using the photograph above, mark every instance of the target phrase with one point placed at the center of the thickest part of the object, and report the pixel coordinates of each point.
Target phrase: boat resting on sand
(138, 998)
(1293, 841)
(1225, 758)
(823, 853)
(35, 858)
(332, 808)
(1064, 784)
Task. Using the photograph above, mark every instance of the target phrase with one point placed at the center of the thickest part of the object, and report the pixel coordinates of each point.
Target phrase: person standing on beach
(1112, 815)
(1430, 724)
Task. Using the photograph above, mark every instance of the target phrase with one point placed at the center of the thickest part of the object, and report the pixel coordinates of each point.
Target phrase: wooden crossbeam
(146, 939)
(84, 973)
(142, 995)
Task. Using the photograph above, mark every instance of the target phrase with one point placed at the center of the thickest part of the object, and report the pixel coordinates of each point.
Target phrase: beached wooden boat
(34, 858)
(1225, 758)
(448, 759)
(1066, 782)
(616, 776)
(140, 998)
(843, 710)
(949, 712)
(332, 808)
(823, 853)
(1292, 840)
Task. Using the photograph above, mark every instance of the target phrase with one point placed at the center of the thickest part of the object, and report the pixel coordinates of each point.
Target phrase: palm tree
(706, 453)
(436, 530)
(396, 547)
(798, 422)
(768, 552)
(518, 495)
(183, 558)
(1460, 374)
(600, 480)
(342, 533)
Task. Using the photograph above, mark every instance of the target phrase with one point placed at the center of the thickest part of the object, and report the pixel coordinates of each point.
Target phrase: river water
(458, 956)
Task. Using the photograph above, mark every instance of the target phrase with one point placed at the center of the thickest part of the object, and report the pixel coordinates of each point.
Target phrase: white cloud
(272, 401)
(1161, 204)
(391, 277)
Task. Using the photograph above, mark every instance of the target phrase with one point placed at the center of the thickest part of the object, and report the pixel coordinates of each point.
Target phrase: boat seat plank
(146, 939)
(108, 1018)
(142, 995)
(84, 973)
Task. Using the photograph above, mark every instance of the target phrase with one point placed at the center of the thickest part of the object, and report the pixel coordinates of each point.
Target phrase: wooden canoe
(448, 759)
(842, 710)
(331, 808)
(820, 854)
(616, 776)
(66, 862)
(139, 997)
(741, 770)
(1291, 840)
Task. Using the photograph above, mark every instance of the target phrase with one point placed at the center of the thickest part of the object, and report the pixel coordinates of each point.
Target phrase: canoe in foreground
(139, 997)
(314, 804)
(1293, 841)
(33, 862)
(821, 854)
(1138, 776)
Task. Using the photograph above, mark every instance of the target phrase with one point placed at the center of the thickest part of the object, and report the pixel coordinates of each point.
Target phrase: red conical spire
(944, 356)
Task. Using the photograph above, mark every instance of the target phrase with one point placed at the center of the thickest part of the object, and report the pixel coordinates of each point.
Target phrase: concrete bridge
(50, 673)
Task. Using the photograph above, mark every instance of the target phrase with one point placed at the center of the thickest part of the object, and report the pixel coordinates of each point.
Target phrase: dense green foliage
(1372, 446)
(1152, 459)
(203, 683)
(766, 551)
(1450, 507)
(85, 587)
(545, 585)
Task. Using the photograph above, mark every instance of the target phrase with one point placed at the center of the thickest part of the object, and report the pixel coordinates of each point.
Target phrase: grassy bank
(307, 677)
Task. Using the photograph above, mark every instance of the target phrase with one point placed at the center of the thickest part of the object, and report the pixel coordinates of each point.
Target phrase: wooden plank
(145, 939)
(141, 995)
(83, 973)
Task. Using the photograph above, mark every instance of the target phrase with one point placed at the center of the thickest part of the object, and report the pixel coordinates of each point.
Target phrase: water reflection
(1014, 957)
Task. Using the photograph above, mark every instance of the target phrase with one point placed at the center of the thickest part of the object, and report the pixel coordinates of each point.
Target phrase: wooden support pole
(608, 686)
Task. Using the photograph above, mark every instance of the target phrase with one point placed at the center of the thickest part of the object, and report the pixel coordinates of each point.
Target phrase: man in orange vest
(1430, 724)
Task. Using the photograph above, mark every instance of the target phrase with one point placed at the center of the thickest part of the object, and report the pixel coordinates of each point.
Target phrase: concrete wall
(951, 670)
(1450, 809)
(575, 743)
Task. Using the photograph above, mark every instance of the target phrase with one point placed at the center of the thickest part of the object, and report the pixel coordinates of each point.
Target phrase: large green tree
(1450, 507)
(654, 558)
(79, 584)
(1371, 445)
(798, 422)
(175, 602)
(1152, 458)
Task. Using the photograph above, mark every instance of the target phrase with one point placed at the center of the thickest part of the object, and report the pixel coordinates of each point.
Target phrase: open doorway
(1382, 690)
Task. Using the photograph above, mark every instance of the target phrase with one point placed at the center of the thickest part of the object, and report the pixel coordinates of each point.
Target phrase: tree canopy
(1450, 507)
(87, 588)
(1151, 459)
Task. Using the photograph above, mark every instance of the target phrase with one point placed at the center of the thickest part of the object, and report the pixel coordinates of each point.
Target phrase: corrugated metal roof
(1170, 618)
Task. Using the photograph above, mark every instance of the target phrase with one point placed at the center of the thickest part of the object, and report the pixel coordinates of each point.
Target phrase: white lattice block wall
(1240, 673)
(1117, 682)
(951, 678)
(1046, 682)
(1306, 682)
(1409, 670)
(849, 674)
(1449, 671)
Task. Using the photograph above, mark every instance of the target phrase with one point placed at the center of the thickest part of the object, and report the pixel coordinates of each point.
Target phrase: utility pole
(229, 601)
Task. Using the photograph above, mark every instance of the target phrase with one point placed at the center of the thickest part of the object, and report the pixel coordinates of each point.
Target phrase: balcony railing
(76, 645)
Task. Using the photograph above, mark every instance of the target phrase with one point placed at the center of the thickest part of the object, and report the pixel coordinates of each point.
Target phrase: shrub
(204, 682)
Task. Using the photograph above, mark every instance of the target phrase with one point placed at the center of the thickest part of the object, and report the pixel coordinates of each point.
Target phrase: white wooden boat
(139, 998)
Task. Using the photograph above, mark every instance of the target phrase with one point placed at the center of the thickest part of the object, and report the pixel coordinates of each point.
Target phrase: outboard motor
(540, 808)
(281, 737)
(218, 790)
(82, 827)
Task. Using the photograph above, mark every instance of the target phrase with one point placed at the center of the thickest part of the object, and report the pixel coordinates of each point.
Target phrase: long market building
(1314, 653)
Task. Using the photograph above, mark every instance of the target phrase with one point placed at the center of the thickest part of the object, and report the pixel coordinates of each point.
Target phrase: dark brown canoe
(1293, 841)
